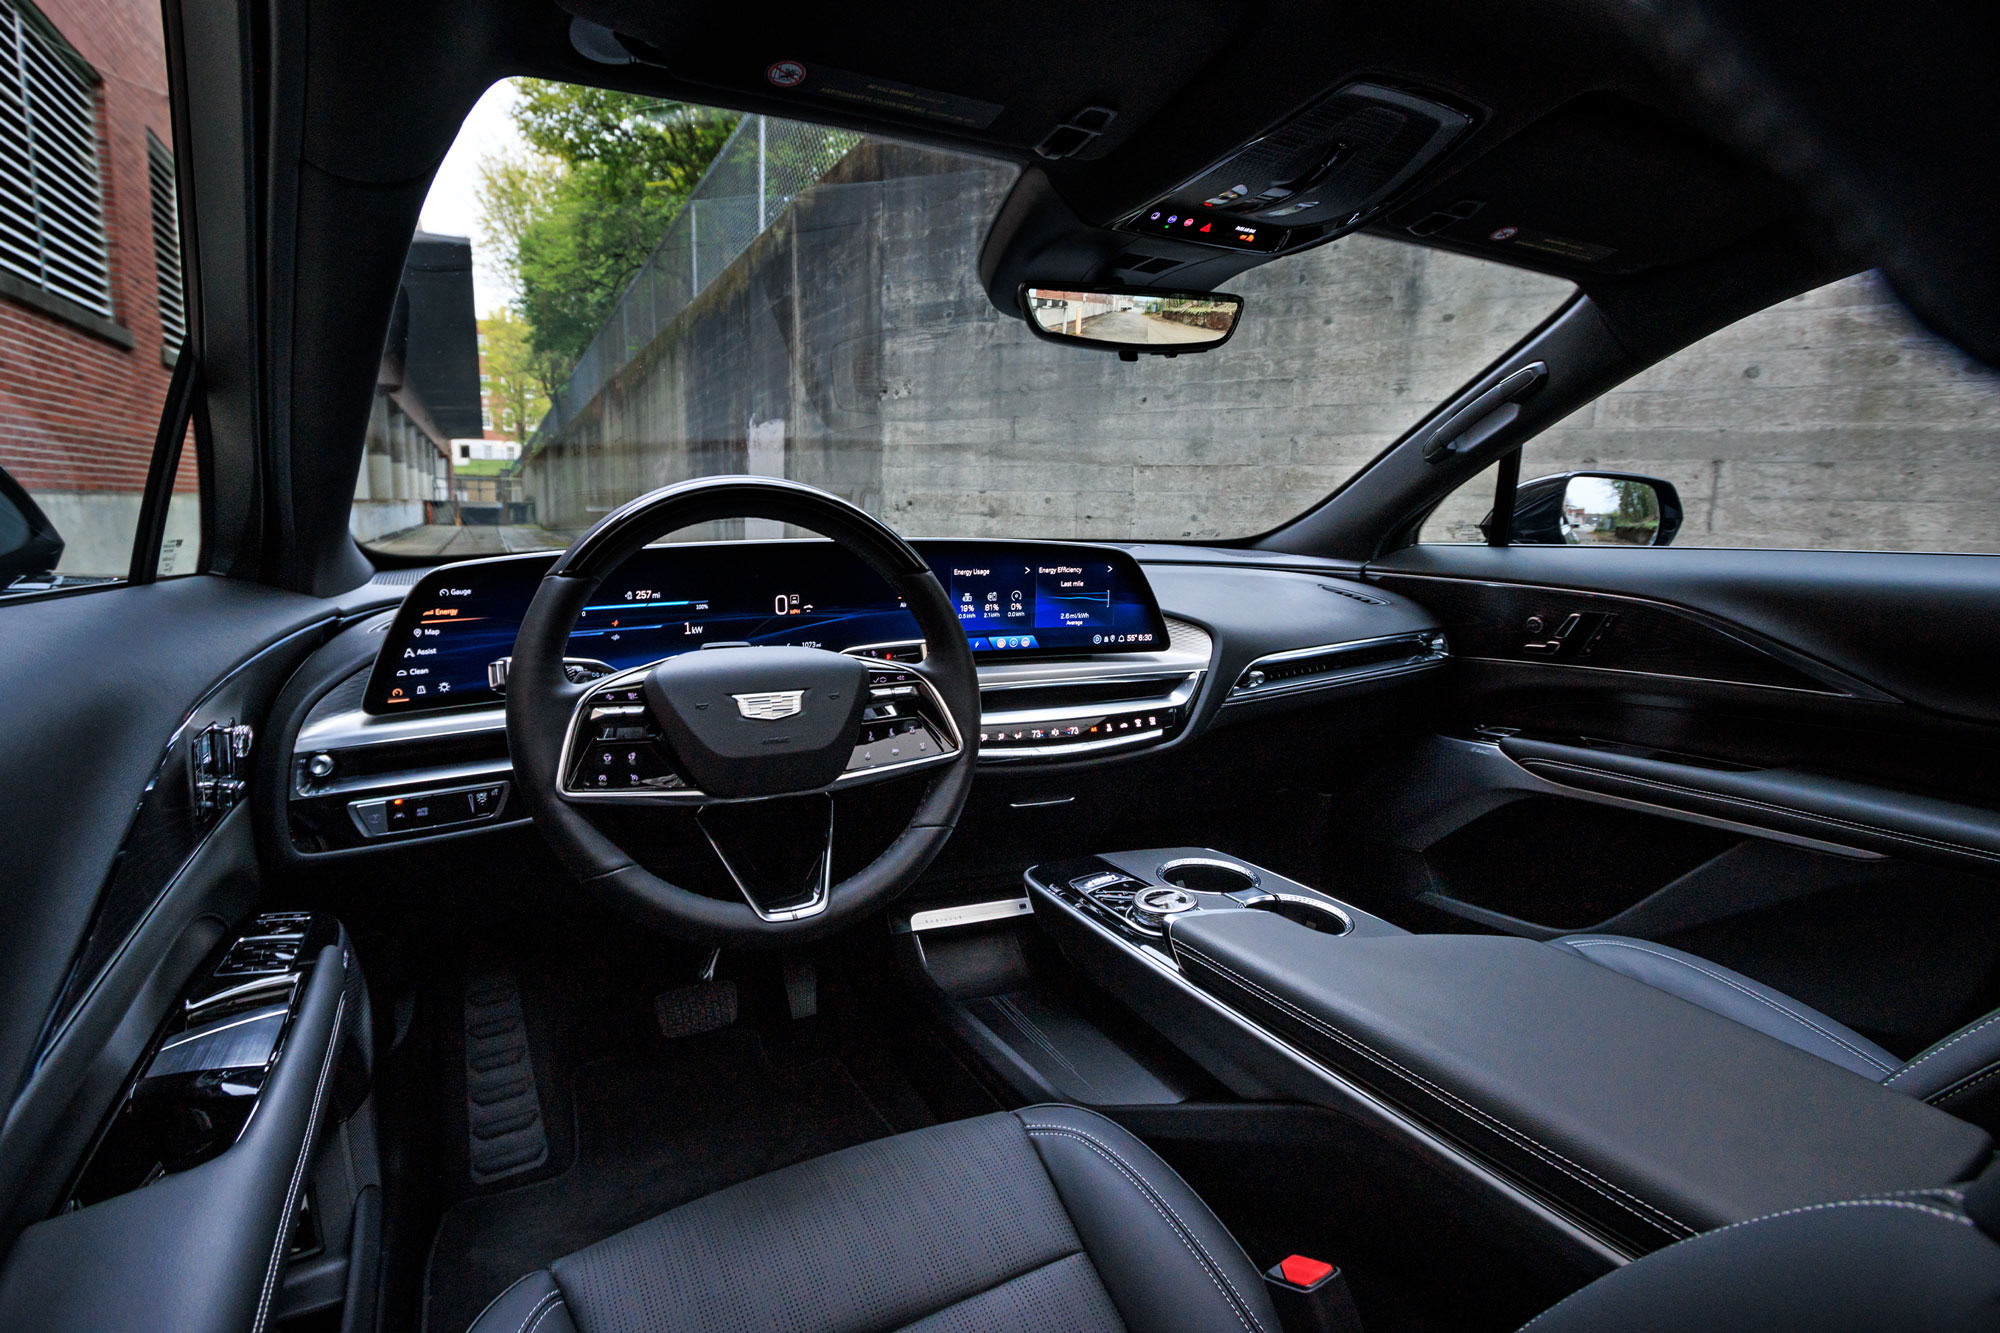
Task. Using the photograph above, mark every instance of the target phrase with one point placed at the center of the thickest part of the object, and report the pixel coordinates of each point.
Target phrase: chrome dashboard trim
(1063, 751)
(1337, 679)
(346, 730)
(1182, 692)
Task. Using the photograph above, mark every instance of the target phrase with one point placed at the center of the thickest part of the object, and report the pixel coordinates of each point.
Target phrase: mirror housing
(30, 546)
(1130, 321)
(1593, 509)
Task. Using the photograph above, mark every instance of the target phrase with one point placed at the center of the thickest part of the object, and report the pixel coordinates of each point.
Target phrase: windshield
(611, 293)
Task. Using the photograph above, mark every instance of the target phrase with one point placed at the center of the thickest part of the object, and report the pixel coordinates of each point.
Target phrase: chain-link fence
(762, 167)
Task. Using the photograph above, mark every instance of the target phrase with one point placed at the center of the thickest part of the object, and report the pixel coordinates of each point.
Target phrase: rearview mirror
(1131, 322)
(1593, 509)
(30, 546)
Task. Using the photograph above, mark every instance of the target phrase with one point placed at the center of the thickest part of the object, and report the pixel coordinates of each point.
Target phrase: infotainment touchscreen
(1014, 600)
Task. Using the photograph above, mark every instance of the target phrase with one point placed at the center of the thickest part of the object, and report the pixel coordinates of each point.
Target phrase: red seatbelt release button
(1303, 1272)
(1311, 1296)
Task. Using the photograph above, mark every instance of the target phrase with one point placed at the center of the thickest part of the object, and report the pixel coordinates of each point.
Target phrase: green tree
(515, 393)
(572, 219)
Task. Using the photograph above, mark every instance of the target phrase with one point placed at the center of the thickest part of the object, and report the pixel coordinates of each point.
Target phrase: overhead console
(1330, 168)
(1320, 174)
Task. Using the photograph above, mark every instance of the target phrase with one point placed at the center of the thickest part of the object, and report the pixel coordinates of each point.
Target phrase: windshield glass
(611, 293)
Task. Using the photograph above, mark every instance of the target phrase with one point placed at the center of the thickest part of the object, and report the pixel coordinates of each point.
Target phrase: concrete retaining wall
(851, 347)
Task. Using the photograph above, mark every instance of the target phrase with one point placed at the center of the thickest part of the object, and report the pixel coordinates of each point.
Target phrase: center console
(1610, 1117)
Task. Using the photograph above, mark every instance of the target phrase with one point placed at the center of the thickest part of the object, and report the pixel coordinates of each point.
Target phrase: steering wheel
(728, 726)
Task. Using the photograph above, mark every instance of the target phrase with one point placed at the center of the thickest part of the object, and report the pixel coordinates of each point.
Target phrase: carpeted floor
(654, 1131)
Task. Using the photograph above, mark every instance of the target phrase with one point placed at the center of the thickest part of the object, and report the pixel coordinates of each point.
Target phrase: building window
(51, 186)
(166, 244)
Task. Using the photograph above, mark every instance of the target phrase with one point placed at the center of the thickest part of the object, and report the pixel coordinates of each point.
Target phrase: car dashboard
(1087, 655)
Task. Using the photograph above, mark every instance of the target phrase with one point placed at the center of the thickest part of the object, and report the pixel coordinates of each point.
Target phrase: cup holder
(1308, 912)
(1204, 874)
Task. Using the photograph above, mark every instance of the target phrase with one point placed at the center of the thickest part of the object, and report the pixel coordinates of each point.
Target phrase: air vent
(1352, 595)
(1123, 690)
(1336, 665)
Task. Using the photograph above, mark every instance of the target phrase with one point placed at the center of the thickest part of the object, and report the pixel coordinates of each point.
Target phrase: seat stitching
(548, 1306)
(1944, 1046)
(1964, 1085)
(488, 1309)
(1520, 1137)
(299, 1170)
(1232, 1297)
(1796, 813)
(1946, 1214)
(1792, 1014)
(1193, 1236)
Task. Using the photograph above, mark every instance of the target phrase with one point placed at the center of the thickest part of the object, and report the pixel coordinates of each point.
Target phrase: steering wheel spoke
(778, 851)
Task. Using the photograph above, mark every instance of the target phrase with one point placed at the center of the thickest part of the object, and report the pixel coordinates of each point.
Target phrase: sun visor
(1065, 79)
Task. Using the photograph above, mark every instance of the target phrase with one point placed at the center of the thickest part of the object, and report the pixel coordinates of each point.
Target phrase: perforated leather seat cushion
(1049, 1219)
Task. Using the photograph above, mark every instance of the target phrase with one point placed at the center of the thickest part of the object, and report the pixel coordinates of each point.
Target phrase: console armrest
(1644, 1117)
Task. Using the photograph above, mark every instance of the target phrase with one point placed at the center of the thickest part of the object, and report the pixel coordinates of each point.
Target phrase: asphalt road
(443, 542)
(1129, 326)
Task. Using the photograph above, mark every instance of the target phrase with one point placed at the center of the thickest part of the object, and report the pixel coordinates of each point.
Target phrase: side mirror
(1129, 322)
(30, 547)
(1593, 509)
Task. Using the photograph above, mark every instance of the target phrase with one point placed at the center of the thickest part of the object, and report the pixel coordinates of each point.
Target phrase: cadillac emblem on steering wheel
(771, 705)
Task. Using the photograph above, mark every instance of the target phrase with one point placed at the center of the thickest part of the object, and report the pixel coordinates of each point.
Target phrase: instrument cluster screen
(1014, 600)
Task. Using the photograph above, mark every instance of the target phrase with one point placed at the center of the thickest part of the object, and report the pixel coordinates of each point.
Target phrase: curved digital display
(1014, 599)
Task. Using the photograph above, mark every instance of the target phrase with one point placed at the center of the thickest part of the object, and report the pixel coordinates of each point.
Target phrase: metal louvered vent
(51, 184)
(1337, 664)
(167, 243)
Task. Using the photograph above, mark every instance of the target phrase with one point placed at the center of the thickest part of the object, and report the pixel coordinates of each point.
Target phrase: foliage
(572, 219)
(514, 388)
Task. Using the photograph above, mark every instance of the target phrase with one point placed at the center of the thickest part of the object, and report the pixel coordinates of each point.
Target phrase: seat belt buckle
(1311, 1296)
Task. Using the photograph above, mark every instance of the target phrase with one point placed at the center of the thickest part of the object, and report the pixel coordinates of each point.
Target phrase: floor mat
(652, 1132)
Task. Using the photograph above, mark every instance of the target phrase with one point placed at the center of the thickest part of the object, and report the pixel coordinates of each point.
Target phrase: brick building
(91, 307)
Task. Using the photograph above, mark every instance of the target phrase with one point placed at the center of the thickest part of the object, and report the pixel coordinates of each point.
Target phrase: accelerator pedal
(503, 1109)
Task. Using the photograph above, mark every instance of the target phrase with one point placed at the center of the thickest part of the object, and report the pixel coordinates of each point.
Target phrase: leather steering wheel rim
(541, 700)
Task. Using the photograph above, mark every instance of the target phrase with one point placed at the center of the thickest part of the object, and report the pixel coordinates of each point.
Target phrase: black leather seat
(1049, 1219)
(1960, 1073)
(1891, 1264)
(1055, 1220)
